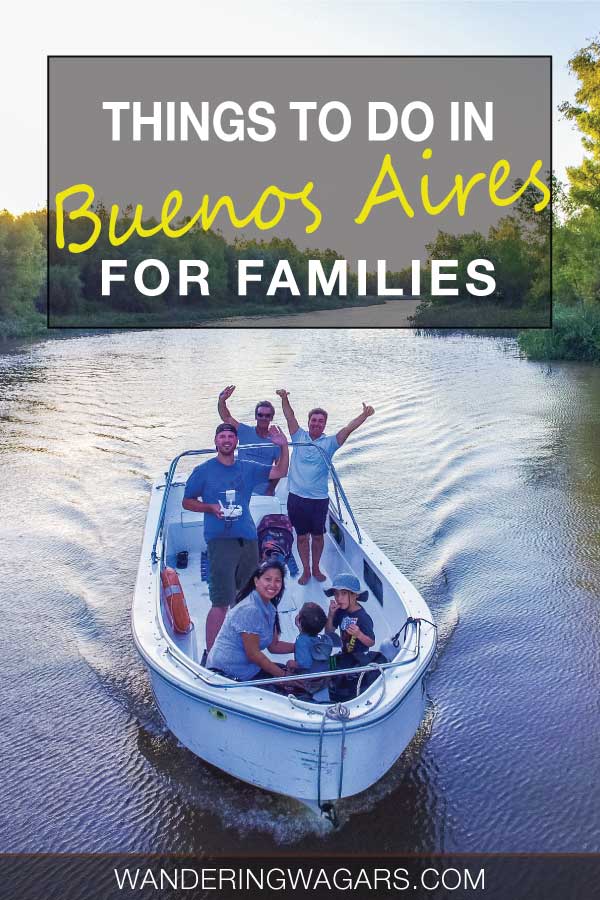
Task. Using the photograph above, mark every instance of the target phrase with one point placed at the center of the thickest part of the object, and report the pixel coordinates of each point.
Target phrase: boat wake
(208, 791)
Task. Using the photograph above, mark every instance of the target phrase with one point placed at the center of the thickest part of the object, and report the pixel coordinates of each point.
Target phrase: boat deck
(185, 531)
(196, 593)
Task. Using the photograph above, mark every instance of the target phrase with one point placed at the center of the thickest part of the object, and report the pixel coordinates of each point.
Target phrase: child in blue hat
(346, 613)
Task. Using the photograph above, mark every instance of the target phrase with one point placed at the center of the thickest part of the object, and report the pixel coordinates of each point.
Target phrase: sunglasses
(264, 415)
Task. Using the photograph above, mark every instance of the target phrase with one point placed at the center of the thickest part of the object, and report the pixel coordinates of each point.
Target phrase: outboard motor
(275, 538)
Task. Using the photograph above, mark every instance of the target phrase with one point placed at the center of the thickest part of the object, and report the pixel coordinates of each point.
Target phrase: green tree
(517, 258)
(576, 252)
(21, 265)
(66, 288)
(585, 179)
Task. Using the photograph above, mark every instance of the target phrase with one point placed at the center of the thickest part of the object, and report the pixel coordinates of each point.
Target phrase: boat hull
(271, 755)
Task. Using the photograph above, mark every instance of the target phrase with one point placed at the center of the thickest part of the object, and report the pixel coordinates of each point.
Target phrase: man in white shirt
(308, 499)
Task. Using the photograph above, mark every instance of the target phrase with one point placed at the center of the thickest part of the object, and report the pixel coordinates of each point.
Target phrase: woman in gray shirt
(250, 628)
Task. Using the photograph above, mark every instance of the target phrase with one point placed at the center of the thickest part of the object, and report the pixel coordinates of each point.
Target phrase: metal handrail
(170, 474)
(285, 679)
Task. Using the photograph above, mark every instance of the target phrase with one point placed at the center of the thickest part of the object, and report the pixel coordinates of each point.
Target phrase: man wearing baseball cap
(221, 489)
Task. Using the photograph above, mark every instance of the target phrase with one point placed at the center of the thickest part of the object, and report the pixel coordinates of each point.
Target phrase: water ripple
(479, 476)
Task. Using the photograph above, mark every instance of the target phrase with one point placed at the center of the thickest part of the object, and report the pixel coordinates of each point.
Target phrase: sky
(269, 27)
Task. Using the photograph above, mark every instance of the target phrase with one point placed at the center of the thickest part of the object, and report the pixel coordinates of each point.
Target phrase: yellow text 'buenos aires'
(205, 215)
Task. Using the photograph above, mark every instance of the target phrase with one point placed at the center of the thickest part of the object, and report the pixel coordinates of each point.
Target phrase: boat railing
(340, 494)
(412, 647)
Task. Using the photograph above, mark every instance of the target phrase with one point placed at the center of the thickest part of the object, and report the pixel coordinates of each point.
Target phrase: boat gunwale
(240, 701)
(206, 692)
(312, 723)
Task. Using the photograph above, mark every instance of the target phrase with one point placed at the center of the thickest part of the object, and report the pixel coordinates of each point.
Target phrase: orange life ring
(175, 601)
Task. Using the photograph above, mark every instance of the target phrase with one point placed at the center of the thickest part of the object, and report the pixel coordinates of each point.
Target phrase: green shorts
(232, 562)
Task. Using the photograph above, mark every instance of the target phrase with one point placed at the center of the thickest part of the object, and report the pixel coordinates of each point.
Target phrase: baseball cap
(346, 581)
(225, 426)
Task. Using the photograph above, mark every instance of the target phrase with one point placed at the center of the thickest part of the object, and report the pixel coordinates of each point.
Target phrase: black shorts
(308, 516)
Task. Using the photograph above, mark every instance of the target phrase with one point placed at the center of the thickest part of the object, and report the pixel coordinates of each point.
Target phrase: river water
(480, 477)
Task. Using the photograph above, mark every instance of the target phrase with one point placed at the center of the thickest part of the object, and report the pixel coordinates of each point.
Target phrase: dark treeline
(516, 247)
(75, 279)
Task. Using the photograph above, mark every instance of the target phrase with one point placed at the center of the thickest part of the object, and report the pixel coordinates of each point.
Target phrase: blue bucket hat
(346, 581)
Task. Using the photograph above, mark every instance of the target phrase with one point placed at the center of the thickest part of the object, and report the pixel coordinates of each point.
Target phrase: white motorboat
(315, 751)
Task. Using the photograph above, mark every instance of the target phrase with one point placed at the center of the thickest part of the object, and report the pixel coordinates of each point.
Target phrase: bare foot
(304, 578)
(319, 575)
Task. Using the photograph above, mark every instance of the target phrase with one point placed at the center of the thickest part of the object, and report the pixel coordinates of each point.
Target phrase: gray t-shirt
(251, 616)
(265, 455)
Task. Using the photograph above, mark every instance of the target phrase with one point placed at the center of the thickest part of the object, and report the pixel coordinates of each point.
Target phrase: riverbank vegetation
(576, 245)
(75, 281)
(518, 245)
(22, 274)
(576, 236)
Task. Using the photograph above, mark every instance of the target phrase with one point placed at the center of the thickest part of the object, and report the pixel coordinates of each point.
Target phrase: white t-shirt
(308, 469)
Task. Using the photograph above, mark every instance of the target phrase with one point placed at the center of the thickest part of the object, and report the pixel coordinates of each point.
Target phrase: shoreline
(389, 314)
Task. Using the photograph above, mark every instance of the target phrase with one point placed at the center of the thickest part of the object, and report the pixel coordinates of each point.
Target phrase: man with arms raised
(308, 499)
(221, 489)
(249, 434)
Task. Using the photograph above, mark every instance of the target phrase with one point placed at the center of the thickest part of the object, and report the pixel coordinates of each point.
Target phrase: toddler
(312, 649)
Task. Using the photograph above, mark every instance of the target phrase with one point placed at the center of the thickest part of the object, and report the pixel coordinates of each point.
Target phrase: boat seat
(189, 518)
(265, 506)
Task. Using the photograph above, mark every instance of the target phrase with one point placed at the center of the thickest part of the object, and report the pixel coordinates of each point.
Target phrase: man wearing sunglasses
(267, 454)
